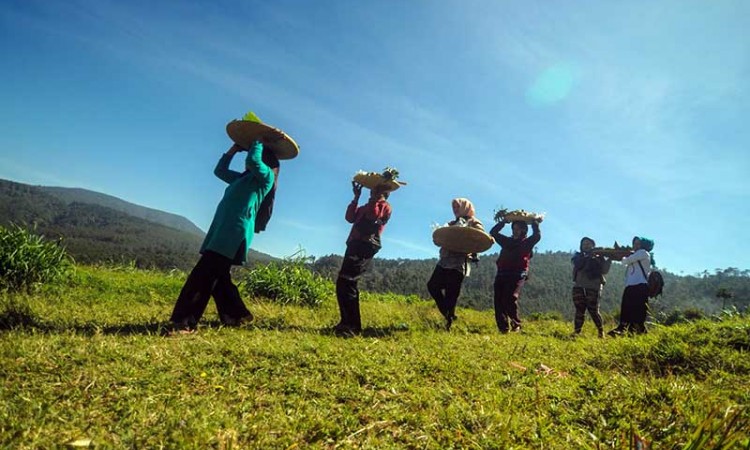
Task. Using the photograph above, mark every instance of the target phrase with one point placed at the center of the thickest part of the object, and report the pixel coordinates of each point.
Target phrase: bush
(287, 282)
(549, 315)
(680, 316)
(27, 260)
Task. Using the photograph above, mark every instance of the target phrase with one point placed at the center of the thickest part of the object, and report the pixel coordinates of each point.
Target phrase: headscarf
(648, 245)
(462, 207)
(266, 206)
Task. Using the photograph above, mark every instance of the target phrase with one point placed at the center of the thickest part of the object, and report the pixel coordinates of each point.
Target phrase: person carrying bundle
(445, 283)
(512, 269)
(634, 307)
(244, 209)
(368, 222)
(588, 278)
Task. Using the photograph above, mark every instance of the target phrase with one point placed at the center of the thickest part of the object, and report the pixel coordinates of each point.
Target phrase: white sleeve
(640, 255)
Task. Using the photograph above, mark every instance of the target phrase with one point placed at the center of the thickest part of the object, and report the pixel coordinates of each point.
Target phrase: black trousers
(357, 261)
(445, 287)
(634, 308)
(210, 276)
(507, 290)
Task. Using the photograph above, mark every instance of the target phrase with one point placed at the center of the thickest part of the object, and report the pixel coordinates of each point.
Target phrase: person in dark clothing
(512, 270)
(229, 237)
(588, 279)
(363, 243)
(445, 283)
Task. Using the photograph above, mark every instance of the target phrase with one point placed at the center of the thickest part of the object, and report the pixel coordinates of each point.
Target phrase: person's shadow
(21, 319)
(368, 332)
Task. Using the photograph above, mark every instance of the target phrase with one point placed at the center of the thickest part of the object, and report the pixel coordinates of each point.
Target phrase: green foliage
(701, 350)
(287, 282)
(92, 365)
(549, 286)
(551, 315)
(721, 431)
(103, 229)
(27, 260)
(680, 316)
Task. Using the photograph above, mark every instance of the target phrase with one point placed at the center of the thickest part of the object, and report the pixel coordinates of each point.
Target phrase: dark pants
(586, 299)
(507, 290)
(445, 287)
(634, 309)
(357, 260)
(210, 276)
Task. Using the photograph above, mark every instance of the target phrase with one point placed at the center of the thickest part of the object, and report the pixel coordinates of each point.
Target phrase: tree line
(548, 288)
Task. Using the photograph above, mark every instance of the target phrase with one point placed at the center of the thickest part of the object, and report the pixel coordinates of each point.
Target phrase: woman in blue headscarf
(634, 307)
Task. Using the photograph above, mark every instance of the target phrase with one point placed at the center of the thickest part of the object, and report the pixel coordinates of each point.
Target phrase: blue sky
(615, 118)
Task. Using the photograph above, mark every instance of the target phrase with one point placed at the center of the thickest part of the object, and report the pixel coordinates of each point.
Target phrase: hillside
(86, 362)
(77, 195)
(95, 233)
(549, 286)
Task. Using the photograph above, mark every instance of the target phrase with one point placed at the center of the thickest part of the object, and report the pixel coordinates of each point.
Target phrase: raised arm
(255, 165)
(536, 234)
(222, 167)
(351, 210)
(495, 232)
(640, 255)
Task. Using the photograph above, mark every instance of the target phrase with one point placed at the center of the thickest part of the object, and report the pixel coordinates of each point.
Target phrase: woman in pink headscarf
(452, 267)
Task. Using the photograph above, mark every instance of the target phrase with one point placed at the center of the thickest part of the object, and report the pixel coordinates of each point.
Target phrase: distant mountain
(93, 232)
(73, 195)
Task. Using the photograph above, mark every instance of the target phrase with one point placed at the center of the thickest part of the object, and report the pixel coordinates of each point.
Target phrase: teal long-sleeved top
(231, 230)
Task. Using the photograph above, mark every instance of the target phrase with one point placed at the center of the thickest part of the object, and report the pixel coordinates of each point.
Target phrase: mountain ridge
(70, 195)
(95, 233)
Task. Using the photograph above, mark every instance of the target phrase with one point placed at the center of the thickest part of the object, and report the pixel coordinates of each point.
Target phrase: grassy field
(88, 363)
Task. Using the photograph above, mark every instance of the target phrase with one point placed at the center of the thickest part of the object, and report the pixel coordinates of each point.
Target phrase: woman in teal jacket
(229, 238)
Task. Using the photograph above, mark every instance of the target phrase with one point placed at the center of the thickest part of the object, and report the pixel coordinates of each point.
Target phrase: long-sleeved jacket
(633, 273)
(231, 231)
(582, 273)
(515, 253)
(368, 220)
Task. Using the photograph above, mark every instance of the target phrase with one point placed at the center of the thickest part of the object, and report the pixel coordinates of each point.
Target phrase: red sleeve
(385, 214)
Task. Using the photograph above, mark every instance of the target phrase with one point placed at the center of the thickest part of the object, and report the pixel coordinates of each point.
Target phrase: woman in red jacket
(361, 246)
(512, 270)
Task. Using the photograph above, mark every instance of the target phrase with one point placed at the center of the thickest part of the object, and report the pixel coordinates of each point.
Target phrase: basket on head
(522, 216)
(386, 180)
(244, 132)
(462, 239)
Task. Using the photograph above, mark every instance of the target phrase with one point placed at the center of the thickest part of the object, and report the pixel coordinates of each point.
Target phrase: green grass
(88, 361)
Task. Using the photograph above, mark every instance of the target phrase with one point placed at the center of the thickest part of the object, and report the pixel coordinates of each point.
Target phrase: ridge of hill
(78, 195)
(96, 233)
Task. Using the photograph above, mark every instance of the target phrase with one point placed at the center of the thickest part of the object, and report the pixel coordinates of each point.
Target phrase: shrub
(548, 315)
(27, 260)
(287, 282)
(680, 316)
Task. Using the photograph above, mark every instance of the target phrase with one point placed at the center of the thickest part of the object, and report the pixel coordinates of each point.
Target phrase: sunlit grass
(91, 362)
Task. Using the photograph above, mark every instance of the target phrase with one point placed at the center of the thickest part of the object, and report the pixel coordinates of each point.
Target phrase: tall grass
(289, 282)
(92, 367)
(27, 260)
